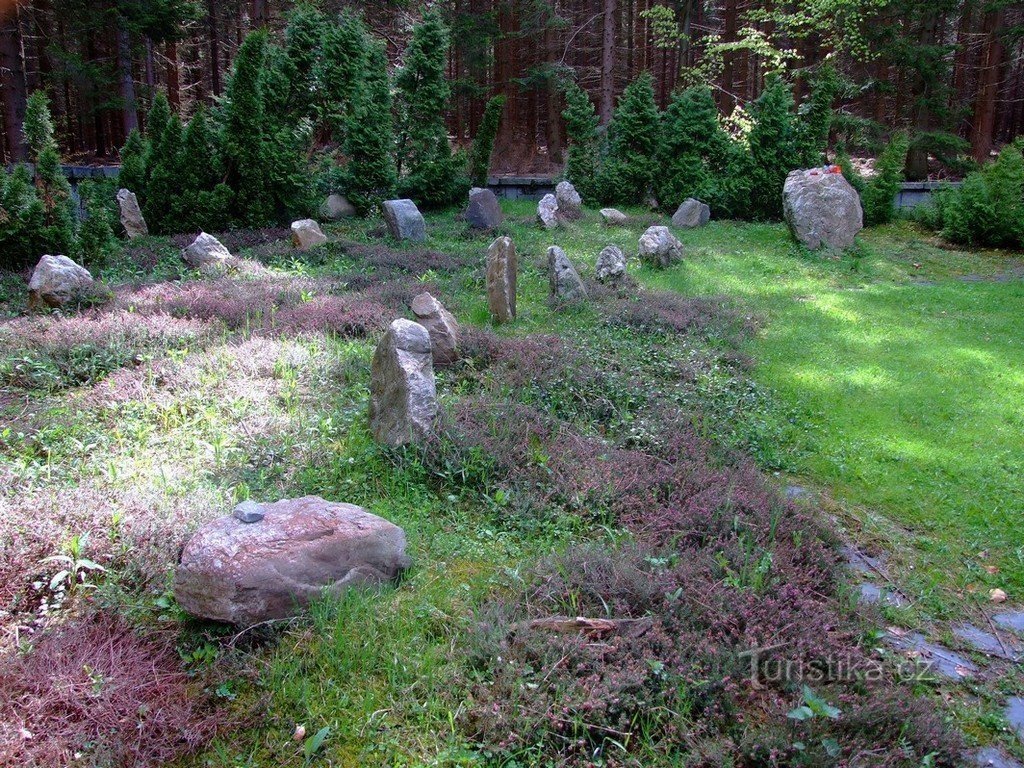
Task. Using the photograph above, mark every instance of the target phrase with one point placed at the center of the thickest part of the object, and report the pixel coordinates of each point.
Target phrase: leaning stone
(245, 573)
(337, 207)
(611, 265)
(659, 247)
(404, 220)
(442, 327)
(206, 250)
(306, 233)
(570, 204)
(547, 212)
(564, 281)
(822, 209)
(484, 211)
(502, 268)
(57, 280)
(692, 213)
(131, 215)
(403, 394)
(248, 512)
(613, 217)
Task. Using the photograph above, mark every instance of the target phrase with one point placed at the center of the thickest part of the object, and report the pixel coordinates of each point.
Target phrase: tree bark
(129, 108)
(12, 81)
(214, 34)
(983, 125)
(607, 105)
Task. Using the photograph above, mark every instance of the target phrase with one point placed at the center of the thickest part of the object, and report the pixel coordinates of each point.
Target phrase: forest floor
(693, 449)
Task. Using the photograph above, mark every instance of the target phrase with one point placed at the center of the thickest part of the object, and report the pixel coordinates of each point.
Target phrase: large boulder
(131, 215)
(611, 265)
(502, 274)
(484, 211)
(547, 212)
(565, 283)
(337, 207)
(659, 247)
(306, 233)
(822, 209)
(442, 327)
(57, 280)
(206, 250)
(404, 220)
(273, 567)
(403, 394)
(613, 217)
(570, 204)
(692, 213)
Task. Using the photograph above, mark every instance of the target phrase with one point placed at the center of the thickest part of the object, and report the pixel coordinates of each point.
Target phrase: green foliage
(165, 178)
(483, 144)
(849, 172)
(988, 208)
(59, 217)
(368, 139)
(344, 50)
(428, 172)
(775, 150)
(202, 201)
(816, 116)
(132, 175)
(21, 219)
(38, 126)
(879, 192)
(627, 173)
(97, 242)
(581, 123)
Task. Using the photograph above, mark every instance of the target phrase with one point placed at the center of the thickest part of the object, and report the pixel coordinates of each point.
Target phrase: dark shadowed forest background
(951, 72)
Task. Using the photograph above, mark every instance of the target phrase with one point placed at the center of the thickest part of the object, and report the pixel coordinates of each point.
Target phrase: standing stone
(484, 211)
(337, 207)
(403, 395)
(204, 250)
(570, 204)
(613, 217)
(404, 220)
(562, 276)
(131, 215)
(659, 247)
(306, 233)
(442, 327)
(502, 267)
(547, 212)
(57, 280)
(611, 265)
(248, 571)
(691, 214)
(822, 209)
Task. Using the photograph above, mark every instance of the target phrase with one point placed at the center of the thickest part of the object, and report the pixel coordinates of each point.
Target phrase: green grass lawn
(905, 364)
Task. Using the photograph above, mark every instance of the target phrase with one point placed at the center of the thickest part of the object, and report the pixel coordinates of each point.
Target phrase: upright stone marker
(611, 265)
(547, 212)
(502, 268)
(403, 394)
(131, 215)
(659, 247)
(442, 327)
(306, 233)
(484, 211)
(570, 204)
(57, 280)
(337, 207)
(564, 281)
(822, 209)
(206, 250)
(692, 213)
(404, 220)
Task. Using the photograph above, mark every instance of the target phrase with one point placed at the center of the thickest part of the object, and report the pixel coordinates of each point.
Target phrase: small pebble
(248, 512)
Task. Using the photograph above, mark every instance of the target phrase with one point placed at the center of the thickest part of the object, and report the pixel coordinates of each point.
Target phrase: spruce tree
(483, 143)
(370, 172)
(132, 175)
(157, 119)
(428, 171)
(816, 116)
(165, 178)
(627, 174)
(203, 202)
(339, 70)
(96, 236)
(60, 218)
(880, 191)
(774, 149)
(22, 219)
(581, 123)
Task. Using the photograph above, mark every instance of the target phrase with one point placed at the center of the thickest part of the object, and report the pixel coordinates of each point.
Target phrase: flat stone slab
(1014, 714)
(872, 594)
(1011, 621)
(985, 642)
(861, 562)
(993, 757)
(931, 656)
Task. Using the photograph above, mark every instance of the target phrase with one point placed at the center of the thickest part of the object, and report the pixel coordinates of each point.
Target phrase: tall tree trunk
(173, 82)
(12, 82)
(917, 157)
(606, 105)
(129, 108)
(260, 13)
(983, 125)
(214, 35)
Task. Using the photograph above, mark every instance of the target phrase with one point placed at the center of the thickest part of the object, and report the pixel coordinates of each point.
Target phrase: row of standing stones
(268, 561)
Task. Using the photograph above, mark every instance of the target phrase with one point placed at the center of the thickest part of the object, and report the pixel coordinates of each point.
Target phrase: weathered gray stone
(248, 512)
(57, 280)
(659, 247)
(403, 394)
(822, 209)
(547, 212)
(570, 204)
(613, 217)
(206, 250)
(502, 274)
(404, 220)
(442, 327)
(483, 211)
(337, 207)
(306, 233)
(245, 573)
(692, 213)
(131, 215)
(564, 281)
(611, 264)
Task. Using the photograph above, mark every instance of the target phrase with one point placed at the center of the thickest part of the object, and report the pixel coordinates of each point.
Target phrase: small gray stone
(131, 215)
(337, 207)
(691, 214)
(404, 220)
(659, 247)
(613, 217)
(306, 233)
(611, 264)
(57, 280)
(442, 327)
(568, 200)
(205, 250)
(403, 393)
(248, 512)
(564, 281)
(993, 757)
(483, 211)
(502, 276)
(547, 212)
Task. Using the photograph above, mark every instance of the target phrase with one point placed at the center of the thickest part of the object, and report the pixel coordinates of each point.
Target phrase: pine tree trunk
(607, 63)
(983, 125)
(214, 34)
(12, 81)
(173, 83)
(129, 110)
